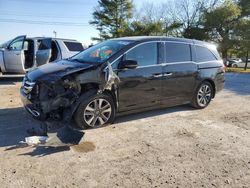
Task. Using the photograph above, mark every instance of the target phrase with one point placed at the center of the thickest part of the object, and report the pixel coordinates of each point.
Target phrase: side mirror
(128, 64)
(9, 48)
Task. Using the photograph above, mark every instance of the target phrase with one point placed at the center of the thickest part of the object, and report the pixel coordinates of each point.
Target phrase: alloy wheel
(97, 112)
(204, 95)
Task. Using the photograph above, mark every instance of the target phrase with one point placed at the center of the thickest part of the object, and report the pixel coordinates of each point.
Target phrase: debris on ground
(35, 140)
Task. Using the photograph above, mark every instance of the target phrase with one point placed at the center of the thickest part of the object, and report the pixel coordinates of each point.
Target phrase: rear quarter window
(73, 46)
(204, 54)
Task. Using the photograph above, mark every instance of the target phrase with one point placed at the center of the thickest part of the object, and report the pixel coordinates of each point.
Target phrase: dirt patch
(186, 133)
(241, 120)
(84, 147)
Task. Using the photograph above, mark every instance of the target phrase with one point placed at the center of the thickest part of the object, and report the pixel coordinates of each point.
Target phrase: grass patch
(238, 70)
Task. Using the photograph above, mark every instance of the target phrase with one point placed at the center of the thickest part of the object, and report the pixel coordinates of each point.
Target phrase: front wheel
(203, 95)
(95, 111)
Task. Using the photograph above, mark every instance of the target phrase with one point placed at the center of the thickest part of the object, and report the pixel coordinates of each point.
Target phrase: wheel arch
(88, 86)
(91, 90)
(113, 95)
(211, 82)
(96, 86)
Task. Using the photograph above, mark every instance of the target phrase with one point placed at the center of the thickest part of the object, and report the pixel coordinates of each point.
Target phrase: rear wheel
(203, 95)
(95, 111)
(235, 66)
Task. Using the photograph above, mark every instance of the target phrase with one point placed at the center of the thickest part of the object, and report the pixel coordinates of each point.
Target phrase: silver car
(241, 64)
(23, 54)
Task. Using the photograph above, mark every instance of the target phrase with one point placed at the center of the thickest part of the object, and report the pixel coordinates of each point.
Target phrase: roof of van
(148, 38)
(52, 38)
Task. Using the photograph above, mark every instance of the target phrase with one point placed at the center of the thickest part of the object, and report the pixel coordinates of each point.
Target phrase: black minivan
(122, 76)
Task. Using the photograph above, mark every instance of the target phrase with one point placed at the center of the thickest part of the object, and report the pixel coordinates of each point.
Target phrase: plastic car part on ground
(35, 140)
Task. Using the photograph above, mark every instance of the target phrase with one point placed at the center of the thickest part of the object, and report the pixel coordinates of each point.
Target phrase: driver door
(141, 87)
(43, 52)
(14, 55)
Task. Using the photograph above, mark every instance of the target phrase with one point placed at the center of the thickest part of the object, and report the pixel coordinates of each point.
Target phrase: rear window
(74, 46)
(177, 52)
(204, 54)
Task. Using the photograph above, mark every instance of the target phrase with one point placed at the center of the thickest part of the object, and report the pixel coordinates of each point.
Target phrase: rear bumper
(220, 82)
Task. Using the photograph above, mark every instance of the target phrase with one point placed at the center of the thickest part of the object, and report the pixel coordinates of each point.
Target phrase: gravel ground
(173, 147)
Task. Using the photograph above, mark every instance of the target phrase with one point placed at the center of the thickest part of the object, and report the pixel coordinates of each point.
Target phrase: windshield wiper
(78, 60)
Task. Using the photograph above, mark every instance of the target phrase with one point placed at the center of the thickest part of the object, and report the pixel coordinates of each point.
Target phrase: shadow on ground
(15, 122)
(10, 80)
(152, 113)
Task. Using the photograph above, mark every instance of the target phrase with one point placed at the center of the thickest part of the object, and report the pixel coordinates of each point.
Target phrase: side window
(74, 46)
(204, 54)
(145, 54)
(44, 44)
(177, 52)
(17, 45)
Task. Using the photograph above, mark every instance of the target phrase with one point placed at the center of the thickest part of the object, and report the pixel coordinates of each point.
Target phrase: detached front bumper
(31, 107)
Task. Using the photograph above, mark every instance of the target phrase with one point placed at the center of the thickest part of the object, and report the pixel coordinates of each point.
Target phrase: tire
(203, 95)
(89, 114)
(235, 66)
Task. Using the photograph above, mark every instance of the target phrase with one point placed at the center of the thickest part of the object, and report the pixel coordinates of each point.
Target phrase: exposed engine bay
(57, 97)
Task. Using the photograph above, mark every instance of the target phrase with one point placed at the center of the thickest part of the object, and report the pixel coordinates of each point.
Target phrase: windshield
(101, 52)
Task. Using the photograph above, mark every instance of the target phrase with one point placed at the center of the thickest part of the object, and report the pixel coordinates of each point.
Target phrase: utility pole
(166, 28)
(55, 33)
(247, 59)
(165, 23)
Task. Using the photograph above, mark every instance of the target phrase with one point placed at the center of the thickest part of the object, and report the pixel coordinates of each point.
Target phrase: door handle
(168, 74)
(17, 53)
(158, 75)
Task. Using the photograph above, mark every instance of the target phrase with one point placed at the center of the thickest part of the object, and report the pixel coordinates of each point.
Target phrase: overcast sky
(69, 18)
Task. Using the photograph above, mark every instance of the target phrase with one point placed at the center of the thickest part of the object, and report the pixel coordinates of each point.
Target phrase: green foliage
(243, 33)
(245, 7)
(221, 23)
(139, 28)
(149, 28)
(110, 18)
(195, 33)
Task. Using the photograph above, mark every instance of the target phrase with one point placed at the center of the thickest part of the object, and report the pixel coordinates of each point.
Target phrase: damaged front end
(57, 95)
(44, 99)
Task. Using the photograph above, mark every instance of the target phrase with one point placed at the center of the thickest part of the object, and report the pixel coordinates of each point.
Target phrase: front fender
(2, 65)
(69, 113)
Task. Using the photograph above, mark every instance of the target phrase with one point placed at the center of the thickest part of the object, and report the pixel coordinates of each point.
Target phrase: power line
(43, 22)
(55, 2)
(43, 16)
(15, 13)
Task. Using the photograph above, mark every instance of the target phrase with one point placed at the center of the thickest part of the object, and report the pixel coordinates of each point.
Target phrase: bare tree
(190, 12)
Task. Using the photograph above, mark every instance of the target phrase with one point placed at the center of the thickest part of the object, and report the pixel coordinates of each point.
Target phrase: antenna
(55, 33)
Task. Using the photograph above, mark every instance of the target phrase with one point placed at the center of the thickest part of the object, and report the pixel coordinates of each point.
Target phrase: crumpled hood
(56, 70)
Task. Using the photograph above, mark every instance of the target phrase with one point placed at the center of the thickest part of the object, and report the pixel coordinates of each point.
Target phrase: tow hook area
(33, 112)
